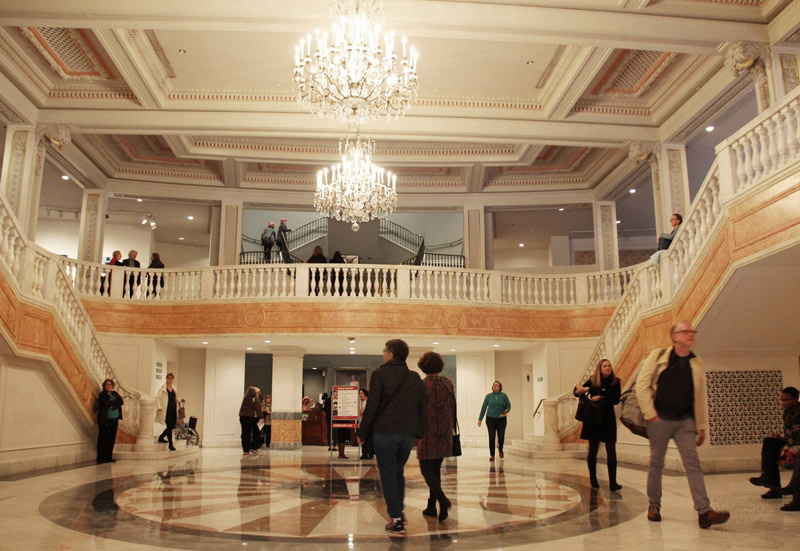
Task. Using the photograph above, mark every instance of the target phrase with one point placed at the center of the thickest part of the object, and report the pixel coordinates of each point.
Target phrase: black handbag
(456, 433)
(589, 413)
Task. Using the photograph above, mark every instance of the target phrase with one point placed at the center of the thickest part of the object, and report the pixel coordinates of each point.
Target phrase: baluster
(793, 128)
(758, 164)
(749, 166)
(764, 143)
(772, 149)
(17, 264)
(738, 148)
(780, 138)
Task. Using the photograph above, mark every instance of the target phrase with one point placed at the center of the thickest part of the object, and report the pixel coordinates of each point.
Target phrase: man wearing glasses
(671, 390)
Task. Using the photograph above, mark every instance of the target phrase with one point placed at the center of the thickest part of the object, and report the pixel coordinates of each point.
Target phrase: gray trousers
(684, 433)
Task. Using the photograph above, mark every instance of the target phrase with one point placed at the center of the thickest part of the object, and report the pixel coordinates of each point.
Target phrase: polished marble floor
(282, 500)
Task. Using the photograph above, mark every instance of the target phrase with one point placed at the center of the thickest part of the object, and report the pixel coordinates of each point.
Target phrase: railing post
(726, 163)
(495, 287)
(666, 265)
(551, 440)
(403, 282)
(581, 289)
(206, 284)
(301, 286)
(145, 440)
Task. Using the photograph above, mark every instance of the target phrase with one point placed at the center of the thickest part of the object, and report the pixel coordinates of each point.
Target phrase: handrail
(399, 235)
(40, 277)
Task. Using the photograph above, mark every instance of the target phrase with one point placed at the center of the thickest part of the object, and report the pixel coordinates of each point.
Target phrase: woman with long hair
(603, 387)
(496, 406)
(249, 413)
(437, 440)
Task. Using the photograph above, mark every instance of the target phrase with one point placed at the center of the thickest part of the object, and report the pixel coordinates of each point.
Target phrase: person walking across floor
(266, 412)
(671, 391)
(109, 413)
(603, 387)
(496, 406)
(394, 418)
(167, 410)
(363, 396)
(249, 413)
(437, 440)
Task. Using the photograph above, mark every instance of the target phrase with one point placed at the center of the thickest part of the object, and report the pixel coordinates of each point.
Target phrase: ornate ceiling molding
(633, 72)
(8, 115)
(69, 52)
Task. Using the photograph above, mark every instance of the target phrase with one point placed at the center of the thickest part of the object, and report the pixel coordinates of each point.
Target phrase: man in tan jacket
(671, 390)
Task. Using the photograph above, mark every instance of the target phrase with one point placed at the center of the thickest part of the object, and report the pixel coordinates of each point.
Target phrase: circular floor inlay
(324, 503)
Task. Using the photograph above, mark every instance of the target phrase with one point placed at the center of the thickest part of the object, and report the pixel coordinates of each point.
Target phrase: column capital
(57, 135)
(296, 352)
(640, 151)
(754, 59)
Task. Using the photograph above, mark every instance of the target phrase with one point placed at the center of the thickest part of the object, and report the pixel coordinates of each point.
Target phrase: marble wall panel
(287, 430)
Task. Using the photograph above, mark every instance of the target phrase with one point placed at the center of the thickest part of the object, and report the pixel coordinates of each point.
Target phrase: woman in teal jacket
(496, 406)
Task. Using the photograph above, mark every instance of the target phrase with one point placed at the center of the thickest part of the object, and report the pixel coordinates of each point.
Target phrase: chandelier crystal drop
(355, 190)
(353, 74)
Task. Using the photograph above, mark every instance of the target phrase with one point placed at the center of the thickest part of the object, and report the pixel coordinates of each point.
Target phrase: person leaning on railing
(131, 262)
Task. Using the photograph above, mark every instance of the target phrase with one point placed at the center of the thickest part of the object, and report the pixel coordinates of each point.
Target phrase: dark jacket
(251, 407)
(157, 264)
(104, 404)
(131, 263)
(317, 259)
(405, 413)
(609, 396)
(437, 440)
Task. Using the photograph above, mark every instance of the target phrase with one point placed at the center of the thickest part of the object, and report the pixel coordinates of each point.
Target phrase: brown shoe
(712, 517)
(654, 513)
(502, 455)
(491, 458)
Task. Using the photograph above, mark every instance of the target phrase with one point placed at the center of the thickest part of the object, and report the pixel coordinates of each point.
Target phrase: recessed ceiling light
(144, 221)
(561, 209)
(452, 350)
(267, 342)
(190, 217)
(530, 62)
(181, 51)
(352, 351)
(618, 221)
(205, 342)
(351, 339)
(180, 239)
(314, 368)
(138, 200)
(496, 345)
(631, 191)
(436, 342)
(709, 128)
(64, 177)
(352, 348)
(522, 244)
(249, 348)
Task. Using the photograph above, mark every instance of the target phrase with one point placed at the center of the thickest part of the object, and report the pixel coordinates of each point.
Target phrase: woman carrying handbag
(604, 389)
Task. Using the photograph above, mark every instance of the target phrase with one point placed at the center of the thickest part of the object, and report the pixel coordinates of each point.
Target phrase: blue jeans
(391, 452)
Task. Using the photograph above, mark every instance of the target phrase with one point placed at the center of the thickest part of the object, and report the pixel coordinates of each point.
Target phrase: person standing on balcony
(155, 264)
(317, 258)
(282, 240)
(116, 260)
(268, 240)
(167, 410)
(671, 390)
(109, 413)
(496, 406)
(603, 387)
(131, 262)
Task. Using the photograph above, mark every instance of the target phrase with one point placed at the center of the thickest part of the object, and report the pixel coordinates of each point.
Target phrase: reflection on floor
(280, 500)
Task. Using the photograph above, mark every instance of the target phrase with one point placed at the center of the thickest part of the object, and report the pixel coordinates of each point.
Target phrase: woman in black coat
(603, 387)
(109, 413)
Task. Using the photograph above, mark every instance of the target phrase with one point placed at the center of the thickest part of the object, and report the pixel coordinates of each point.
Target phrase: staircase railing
(305, 234)
(400, 236)
(42, 278)
(761, 151)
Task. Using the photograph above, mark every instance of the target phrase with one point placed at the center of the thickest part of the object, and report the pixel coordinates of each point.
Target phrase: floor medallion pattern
(278, 505)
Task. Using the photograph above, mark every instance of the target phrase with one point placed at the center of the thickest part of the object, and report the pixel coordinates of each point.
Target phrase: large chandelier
(355, 190)
(353, 75)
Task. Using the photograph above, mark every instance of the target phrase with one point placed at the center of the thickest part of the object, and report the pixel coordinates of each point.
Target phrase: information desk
(315, 428)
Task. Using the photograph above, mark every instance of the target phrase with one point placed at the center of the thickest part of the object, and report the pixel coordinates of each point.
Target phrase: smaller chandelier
(354, 75)
(355, 190)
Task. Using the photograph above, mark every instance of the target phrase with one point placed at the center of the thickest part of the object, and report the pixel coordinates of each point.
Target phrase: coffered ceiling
(516, 99)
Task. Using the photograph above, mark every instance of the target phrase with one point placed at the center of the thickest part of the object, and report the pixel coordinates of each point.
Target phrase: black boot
(612, 475)
(430, 510)
(444, 505)
(593, 474)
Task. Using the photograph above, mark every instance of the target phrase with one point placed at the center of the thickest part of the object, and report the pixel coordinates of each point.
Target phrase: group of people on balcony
(133, 281)
(270, 238)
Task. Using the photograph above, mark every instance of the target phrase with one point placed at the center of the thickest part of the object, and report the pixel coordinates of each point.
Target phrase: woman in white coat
(167, 410)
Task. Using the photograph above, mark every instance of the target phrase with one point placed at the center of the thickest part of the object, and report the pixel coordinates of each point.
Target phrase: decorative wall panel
(743, 406)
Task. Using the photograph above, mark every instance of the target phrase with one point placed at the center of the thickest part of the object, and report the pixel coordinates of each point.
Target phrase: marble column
(230, 233)
(287, 397)
(474, 237)
(606, 244)
(145, 439)
(674, 188)
(93, 223)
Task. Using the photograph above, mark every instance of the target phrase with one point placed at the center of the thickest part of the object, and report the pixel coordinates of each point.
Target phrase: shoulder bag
(456, 431)
(589, 413)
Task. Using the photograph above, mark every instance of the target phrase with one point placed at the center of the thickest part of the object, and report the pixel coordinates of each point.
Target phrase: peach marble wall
(342, 316)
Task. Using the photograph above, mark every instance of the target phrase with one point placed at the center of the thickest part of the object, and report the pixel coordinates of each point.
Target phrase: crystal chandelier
(353, 75)
(355, 190)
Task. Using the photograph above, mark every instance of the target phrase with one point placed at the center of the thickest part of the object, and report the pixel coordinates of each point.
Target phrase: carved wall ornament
(92, 215)
(16, 169)
(607, 226)
(789, 71)
(56, 135)
(640, 151)
(755, 59)
(675, 163)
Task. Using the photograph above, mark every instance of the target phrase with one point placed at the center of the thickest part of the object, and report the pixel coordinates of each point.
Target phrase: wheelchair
(187, 431)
